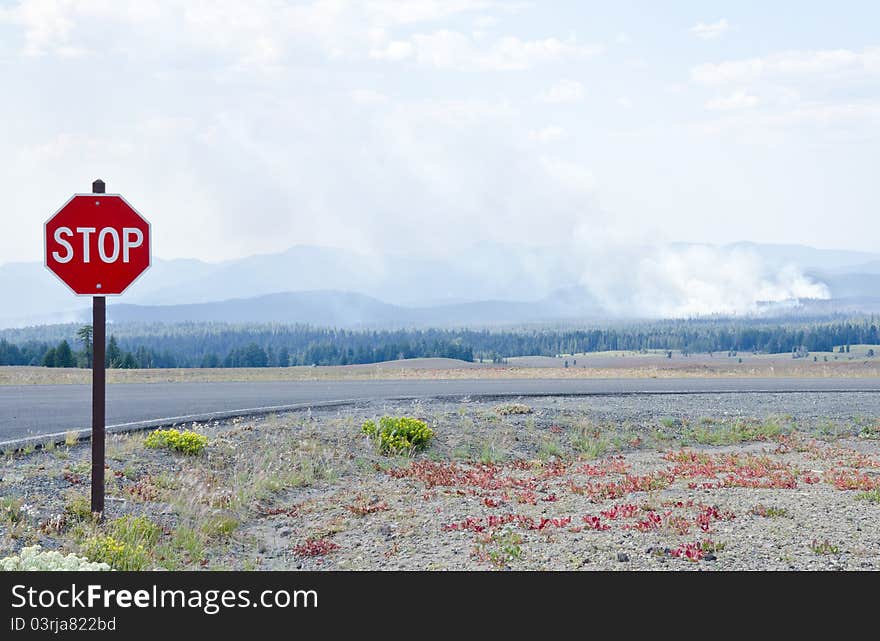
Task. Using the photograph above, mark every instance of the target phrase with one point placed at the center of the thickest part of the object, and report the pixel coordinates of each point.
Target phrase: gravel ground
(665, 482)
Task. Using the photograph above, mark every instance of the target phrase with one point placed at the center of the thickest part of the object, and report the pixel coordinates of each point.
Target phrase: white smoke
(693, 280)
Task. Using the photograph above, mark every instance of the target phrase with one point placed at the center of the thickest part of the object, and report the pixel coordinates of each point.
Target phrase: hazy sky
(242, 127)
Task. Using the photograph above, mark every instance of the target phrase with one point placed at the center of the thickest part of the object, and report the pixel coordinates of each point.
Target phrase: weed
(220, 525)
(696, 550)
(506, 409)
(768, 512)
(668, 422)
(491, 455)
(118, 555)
(738, 432)
(550, 448)
(499, 548)
(315, 547)
(872, 496)
(870, 431)
(79, 467)
(187, 442)
(362, 507)
(78, 507)
(460, 453)
(851, 480)
(184, 540)
(823, 548)
(590, 447)
(71, 438)
(398, 434)
(11, 510)
(595, 523)
(135, 530)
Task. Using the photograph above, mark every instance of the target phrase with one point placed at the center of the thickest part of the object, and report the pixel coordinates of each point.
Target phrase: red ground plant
(315, 547)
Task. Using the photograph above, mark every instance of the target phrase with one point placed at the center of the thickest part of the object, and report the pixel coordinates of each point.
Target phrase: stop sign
(97, 244)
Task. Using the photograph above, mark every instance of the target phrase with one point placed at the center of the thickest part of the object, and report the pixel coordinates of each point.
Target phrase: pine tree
(64, 355)
(113, 357)
(84, 334)
(49, 358)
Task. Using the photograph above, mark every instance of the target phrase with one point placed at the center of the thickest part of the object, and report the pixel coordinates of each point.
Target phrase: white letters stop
(131, 238)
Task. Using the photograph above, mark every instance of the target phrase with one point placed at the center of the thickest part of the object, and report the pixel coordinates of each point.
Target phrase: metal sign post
(99, 346)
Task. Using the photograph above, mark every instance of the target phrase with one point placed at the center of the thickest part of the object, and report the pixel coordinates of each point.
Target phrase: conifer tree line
(137, 345)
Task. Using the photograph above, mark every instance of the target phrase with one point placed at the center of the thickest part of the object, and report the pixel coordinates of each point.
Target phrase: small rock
(710, 557)
(623, 557)
(386, 531)
(285, 531)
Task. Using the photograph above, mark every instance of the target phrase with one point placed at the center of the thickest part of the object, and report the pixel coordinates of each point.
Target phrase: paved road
(30, 410)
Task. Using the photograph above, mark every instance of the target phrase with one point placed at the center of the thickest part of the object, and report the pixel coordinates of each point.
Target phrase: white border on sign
(67, 202)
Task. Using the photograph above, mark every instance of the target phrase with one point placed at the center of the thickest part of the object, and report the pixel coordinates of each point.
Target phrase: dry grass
(722, 368)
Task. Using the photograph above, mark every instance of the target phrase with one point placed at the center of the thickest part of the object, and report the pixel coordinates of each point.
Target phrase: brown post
(99, 345)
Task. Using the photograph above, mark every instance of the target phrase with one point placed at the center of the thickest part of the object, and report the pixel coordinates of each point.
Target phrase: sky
(239, 128)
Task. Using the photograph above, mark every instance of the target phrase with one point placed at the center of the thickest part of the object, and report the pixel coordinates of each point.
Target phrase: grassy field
(617, 364)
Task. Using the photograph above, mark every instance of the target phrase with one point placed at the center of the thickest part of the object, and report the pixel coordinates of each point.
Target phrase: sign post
(99, 388)
(98, 245)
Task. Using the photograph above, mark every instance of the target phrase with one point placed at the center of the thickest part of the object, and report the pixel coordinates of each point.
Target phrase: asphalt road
(34, 410)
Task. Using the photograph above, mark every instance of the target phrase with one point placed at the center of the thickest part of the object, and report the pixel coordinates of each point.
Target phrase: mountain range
(488, 284)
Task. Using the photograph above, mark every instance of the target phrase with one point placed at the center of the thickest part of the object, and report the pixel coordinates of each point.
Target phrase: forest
(138, 345)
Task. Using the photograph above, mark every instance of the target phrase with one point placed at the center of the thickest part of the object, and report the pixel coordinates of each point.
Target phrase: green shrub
(137, 530)
(186, 442)
(397, 434)
(115, 553)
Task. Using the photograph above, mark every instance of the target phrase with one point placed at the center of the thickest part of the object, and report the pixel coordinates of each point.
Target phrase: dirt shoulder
(559, 484)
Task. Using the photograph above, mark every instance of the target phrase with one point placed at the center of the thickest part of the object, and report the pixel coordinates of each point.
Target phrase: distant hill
(330, 308)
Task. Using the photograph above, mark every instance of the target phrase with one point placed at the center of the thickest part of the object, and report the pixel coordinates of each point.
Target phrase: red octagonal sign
(97, 244)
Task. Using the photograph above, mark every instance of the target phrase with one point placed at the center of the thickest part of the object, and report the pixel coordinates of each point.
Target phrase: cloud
(446, 49)
(252, 33)
(547, 134)
(733, 102)
(845, 122)
(571, 175)
(830, 64)
(393, 51)
(710, 31)
(418, 11)
(564, 91)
